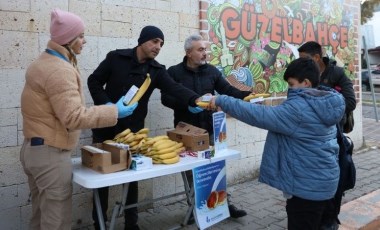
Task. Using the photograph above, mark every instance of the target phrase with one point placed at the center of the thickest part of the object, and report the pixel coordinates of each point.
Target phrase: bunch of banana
(162, 150)
(134, 140)
(252, 96)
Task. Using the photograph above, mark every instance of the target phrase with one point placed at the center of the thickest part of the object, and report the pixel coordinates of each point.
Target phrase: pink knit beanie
(65, 26)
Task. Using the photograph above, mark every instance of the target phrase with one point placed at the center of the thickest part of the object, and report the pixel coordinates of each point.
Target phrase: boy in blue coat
(300, 156)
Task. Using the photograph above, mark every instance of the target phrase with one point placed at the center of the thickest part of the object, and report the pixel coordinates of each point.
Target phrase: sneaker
(235, 212)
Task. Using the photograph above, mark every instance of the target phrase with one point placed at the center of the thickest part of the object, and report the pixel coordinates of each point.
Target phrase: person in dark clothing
(115, 75)
(194, 73)
(333, 77)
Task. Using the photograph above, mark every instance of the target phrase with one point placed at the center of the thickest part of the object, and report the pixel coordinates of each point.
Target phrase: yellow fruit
(165, 145)
(143, 130)
(160, 141)
(180, 150)
(141, 90)
(156, 138)
(109, 141)
(203, 104)
(167, 161)
(119, 140)
(166, 150)
(168, 155)
(140, 136)
(129, 138)
(122, 134)
(133, 144)
(162, 144)
(252, 96)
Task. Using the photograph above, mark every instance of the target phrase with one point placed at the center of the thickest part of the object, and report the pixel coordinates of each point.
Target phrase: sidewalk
(266, 206)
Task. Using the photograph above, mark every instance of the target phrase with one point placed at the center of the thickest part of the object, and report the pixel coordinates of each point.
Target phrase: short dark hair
(311, 48)
(301, 69)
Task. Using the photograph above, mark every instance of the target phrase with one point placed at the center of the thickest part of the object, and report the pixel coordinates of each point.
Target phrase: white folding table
(91, 179)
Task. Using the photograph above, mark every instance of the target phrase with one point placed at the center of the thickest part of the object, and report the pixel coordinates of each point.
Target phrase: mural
(252, 41)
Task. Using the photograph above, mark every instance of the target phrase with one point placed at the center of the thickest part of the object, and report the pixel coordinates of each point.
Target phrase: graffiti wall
(252, 41)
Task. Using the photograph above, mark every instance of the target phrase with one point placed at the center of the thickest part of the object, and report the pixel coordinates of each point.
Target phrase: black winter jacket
(115, 76)
(334, 77)
(207, 79)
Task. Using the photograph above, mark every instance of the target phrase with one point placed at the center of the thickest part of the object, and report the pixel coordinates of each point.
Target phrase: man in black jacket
(113, 78)
(334, 77)
(194, 73)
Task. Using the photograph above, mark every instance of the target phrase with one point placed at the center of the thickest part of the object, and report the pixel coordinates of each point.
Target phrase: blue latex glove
(195, 109)
(125, 110)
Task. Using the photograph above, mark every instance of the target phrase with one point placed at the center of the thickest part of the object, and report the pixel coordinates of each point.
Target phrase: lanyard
(55, 53)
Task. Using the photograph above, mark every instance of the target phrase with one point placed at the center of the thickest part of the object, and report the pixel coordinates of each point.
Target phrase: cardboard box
(192, 137)
(105, 158)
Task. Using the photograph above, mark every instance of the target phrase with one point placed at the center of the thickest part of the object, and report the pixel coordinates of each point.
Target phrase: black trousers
(130, 215)
(331, 213)
(305, 214)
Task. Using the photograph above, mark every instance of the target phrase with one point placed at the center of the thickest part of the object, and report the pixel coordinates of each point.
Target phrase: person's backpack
(346, 164)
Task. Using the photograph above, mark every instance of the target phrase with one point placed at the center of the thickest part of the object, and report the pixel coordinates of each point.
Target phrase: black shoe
(235, 212)
(331, 226)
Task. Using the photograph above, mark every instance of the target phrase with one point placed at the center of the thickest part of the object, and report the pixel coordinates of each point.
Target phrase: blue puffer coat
(301, 152)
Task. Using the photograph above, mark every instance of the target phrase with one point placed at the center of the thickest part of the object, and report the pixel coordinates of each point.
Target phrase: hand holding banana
(204, 101)
(258, 95)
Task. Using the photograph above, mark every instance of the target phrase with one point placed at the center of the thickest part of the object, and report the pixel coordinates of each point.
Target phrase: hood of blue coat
(327, 103)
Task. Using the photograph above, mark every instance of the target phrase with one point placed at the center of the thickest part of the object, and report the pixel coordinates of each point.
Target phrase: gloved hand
(125, 110)
(195, 109)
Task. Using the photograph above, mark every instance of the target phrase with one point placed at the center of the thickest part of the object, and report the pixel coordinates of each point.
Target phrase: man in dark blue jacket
(113, 78)
(194, 73)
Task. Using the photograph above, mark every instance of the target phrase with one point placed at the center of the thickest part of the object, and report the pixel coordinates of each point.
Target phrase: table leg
(190, 198)
(118, 209)
(99, 210)
(187, 187)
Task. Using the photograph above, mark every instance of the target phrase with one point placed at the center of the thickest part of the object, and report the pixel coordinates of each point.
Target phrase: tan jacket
(53, 105)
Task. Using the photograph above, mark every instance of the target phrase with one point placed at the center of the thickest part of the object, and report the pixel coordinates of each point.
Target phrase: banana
(143, 130)
(166, 150)
(180, 150)
(203, 104)
(165, 156)
(156, 138)
(141, 90)
(133, 143)
(162, 144)
(140, 136)
(122, 134)
(119, 140)
(130, 138)
(251, 96)
(109, 141)
(167, 161)
(165, 145)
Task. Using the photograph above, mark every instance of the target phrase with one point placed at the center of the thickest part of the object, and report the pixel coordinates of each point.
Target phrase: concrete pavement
(266, 206)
